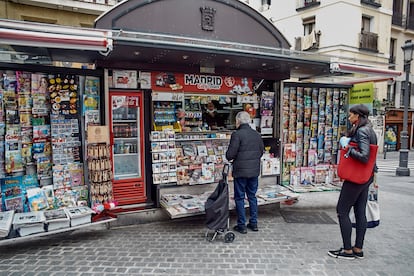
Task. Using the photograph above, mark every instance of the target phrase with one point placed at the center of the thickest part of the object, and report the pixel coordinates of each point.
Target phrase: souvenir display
(41, 142)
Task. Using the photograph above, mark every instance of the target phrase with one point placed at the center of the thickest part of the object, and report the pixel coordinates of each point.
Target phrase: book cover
(37, 199)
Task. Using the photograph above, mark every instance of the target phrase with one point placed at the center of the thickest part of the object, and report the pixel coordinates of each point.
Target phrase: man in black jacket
(245, 150)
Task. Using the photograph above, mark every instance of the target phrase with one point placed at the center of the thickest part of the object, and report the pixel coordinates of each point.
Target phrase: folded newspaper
(6, 219)
(79, 215)
(56, 219)
(29, 223)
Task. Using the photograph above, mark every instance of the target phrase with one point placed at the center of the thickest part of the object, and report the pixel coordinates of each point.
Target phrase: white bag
(372, 210)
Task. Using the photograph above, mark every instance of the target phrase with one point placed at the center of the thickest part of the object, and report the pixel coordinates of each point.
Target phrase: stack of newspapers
(6, 220)
(79, 215)
(56, 219)
(29, 223)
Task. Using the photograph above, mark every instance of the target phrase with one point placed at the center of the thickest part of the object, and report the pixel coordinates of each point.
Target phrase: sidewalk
(178, 248)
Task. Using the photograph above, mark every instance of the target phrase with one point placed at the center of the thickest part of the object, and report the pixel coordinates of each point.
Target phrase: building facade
(79, 13)
(366, 33)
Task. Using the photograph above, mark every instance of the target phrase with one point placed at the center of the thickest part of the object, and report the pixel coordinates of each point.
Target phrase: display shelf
(58, 231)
(173, 204)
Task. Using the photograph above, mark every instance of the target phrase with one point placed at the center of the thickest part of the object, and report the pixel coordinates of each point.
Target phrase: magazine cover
(289, 152)
(207, 171)
(125, 78)
(312, 157)
(37, 199)
(307, 175)
(321, 174)
(295, 176)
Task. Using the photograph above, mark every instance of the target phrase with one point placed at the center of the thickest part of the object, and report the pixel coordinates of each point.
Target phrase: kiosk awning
(57, 42)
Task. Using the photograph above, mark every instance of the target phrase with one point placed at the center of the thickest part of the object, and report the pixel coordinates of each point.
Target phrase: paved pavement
(178, 247)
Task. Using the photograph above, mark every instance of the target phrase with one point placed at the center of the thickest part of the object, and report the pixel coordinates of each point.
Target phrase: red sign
(199, 83)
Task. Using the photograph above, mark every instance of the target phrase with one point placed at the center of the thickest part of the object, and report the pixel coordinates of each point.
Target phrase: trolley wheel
(229, 237)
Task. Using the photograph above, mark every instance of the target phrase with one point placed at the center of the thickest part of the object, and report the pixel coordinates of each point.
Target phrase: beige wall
(9, 10)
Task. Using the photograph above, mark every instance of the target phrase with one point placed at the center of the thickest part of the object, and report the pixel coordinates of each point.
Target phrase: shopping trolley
(217, 210)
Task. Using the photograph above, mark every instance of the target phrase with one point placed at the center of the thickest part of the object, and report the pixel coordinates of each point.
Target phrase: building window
(366, 24)
(397, 14)
(368, 40)
(410, 16)
(308, 25)
(306, 4)
(391, 60)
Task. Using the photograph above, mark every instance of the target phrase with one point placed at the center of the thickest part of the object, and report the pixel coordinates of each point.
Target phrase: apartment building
(367, 35)
(79, 13)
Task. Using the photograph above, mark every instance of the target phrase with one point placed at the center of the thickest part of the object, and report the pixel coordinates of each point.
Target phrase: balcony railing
(305, 4)
(397, 19)
(410, 22)
(368, 41)
(391, 62)
(373, 3)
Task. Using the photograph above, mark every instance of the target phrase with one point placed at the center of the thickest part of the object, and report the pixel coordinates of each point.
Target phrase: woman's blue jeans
(246, 186)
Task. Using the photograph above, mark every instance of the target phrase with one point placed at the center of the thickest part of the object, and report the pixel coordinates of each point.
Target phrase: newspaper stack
(79, 215)
(6, 219)
(56, 219)
(29, 223)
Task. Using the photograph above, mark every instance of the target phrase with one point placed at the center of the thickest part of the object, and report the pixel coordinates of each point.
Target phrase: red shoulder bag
(354, 170)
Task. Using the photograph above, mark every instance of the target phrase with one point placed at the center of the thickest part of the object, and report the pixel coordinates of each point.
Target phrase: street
(178, 247)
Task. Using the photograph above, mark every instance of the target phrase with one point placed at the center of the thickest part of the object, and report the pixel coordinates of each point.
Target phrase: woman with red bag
(353, 194)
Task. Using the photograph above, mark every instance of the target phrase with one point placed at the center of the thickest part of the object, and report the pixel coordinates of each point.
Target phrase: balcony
(306, 4)
(308, 42)
(397, 19)
(82, 6)
(410, 22)
(368, 41)
(391, 63)
(372, 3)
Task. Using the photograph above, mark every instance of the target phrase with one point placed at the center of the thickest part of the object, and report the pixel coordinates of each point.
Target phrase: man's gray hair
(243, 117)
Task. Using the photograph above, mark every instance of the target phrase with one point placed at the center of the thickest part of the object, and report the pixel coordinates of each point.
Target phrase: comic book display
(312, 120)
(40, 141)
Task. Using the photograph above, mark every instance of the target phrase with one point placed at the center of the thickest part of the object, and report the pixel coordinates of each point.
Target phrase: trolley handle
(226, 169)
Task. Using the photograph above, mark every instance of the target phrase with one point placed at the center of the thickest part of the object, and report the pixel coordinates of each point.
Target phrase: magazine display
(312, 120)
(6, 220)
(41, 141)
(29, 223)
(164, 157)
(181, 205)
(200, 157)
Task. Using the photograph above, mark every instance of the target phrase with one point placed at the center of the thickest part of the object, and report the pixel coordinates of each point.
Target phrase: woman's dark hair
(363, 113)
